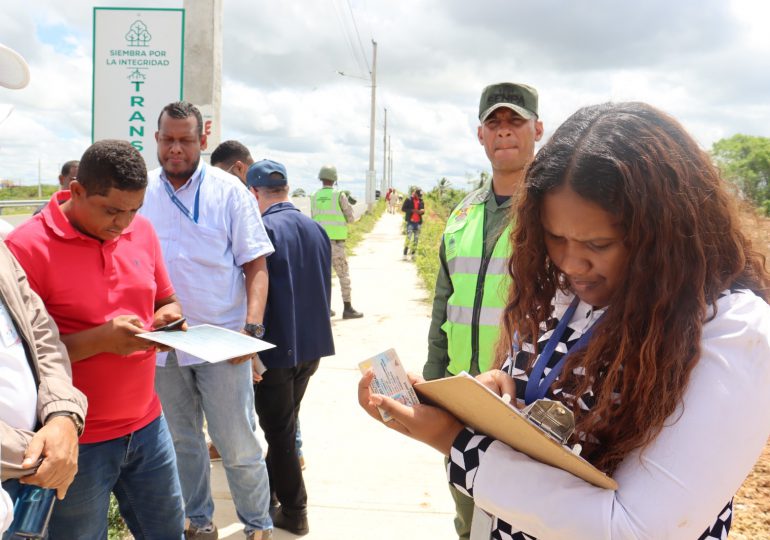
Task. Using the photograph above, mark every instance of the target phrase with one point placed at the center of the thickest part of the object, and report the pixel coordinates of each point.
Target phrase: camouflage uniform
(332, 210)
(340, 265)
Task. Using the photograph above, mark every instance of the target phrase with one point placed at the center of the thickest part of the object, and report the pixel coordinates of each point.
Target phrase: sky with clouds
(707, 62)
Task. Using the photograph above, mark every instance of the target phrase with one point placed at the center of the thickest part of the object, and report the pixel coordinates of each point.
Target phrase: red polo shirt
(84, 283)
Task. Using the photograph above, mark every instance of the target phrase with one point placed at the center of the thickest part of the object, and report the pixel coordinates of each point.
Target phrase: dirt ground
(751, 518)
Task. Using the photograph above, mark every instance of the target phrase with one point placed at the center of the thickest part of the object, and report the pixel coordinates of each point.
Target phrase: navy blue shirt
(299, 292)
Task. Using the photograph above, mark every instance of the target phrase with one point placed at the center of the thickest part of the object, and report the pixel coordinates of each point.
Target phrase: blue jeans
(140, 469)
(412, 237)
(223, 392)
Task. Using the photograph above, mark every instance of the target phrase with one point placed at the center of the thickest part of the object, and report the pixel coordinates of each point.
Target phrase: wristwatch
(79, 425)
(254, 330)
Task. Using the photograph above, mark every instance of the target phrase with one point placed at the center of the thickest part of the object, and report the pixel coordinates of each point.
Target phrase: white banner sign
(138, 70)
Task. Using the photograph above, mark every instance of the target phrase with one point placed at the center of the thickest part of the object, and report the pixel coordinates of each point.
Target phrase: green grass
(438, 205)
(25, 193)
(117, 527)
(426, 259)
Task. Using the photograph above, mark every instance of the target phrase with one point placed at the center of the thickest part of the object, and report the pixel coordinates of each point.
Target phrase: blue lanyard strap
(193, 216)
(537, 385)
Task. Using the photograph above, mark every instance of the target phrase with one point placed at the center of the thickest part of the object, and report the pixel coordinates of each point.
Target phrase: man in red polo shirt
(99, 270)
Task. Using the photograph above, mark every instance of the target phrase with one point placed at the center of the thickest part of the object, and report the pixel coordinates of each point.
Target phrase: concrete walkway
(365, 481)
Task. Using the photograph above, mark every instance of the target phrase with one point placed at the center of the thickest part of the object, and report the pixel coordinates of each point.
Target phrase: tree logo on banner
(138, 35)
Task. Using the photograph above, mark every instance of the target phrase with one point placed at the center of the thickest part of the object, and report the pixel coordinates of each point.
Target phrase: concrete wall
(203, 64)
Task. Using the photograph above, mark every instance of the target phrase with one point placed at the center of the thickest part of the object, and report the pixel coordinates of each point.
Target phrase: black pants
(276, 399)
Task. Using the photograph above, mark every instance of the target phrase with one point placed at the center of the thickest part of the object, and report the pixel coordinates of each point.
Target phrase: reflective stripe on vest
(464, 245)
(326, 210)
(472, 265)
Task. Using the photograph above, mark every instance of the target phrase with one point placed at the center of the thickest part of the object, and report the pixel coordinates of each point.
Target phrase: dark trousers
(277, 399)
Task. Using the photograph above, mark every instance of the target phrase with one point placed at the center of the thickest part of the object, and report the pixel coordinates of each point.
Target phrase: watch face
(254, 330)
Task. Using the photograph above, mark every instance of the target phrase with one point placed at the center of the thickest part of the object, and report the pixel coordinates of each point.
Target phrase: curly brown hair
(685, 248)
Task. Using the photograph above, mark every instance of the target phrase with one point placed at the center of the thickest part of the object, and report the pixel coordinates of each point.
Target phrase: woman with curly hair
(639, 304)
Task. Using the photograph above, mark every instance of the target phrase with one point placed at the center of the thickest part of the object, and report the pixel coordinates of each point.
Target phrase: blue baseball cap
(259, 174)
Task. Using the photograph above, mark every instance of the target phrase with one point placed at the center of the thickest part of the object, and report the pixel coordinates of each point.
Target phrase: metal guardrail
(28, 203)
(303, 203)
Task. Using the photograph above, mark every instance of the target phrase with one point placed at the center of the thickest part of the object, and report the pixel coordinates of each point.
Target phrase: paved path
(363, 480)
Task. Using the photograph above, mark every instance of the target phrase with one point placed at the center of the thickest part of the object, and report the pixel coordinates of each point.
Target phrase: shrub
(439, 203)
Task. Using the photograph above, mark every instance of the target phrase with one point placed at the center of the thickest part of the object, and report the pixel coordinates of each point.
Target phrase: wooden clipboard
(483, 410)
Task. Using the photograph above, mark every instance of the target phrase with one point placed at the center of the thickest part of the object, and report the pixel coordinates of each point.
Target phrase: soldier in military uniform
(332, 210)
(473, 281)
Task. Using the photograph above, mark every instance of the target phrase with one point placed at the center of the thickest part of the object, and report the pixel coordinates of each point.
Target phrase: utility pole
(39, 180)
(203, 65)
(384, 180)
(370, 175)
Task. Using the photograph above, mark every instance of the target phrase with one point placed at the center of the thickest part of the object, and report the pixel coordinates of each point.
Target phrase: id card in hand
(389, 380)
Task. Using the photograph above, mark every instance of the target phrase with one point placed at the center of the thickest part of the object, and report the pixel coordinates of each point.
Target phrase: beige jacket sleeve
(46, 352)
(347, 209)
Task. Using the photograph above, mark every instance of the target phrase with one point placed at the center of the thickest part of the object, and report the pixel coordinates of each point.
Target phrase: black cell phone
(175, 325)
(32, 512)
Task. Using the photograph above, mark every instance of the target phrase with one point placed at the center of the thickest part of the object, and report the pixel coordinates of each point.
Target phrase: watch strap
(79, 424)
(254, 330)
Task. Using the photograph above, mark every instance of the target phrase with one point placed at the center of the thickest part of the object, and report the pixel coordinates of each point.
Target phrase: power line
(360, 44)
(346, 34)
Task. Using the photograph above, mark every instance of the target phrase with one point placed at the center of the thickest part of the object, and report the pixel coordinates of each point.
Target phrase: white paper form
(210, 343)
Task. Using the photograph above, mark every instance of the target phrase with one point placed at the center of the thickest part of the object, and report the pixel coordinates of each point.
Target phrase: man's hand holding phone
(179, 324)
(168, 321)
(122, 335)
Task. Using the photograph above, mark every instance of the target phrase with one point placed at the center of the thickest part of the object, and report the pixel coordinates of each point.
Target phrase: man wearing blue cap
(297, 321)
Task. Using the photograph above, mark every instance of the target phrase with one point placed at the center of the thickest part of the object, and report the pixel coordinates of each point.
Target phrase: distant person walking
(332, 210)
(413, 209)
(392, 198)
(297, 323)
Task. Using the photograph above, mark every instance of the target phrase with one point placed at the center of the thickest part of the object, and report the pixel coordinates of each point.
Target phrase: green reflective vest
(326, 210)
(480, 284)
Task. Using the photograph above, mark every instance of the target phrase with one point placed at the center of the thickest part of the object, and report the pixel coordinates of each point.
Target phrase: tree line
(744, 160)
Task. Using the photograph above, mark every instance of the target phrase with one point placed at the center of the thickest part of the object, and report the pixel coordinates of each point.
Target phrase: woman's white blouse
(677, 486)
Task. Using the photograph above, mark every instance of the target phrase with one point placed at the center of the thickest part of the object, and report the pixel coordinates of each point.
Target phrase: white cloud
(705, 62)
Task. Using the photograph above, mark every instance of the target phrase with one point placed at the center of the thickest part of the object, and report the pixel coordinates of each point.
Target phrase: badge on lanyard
(193, 216)
(537, 385)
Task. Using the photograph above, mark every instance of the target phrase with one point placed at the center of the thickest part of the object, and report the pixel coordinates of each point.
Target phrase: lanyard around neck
(193, 216)
(537, 386)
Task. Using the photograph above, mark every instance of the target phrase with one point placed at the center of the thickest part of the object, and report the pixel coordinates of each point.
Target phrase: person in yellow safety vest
(331, 208)
(473, 282)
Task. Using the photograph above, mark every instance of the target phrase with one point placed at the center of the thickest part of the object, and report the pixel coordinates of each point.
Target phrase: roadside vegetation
(25, 193)
(744, 160)
(439, 203)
